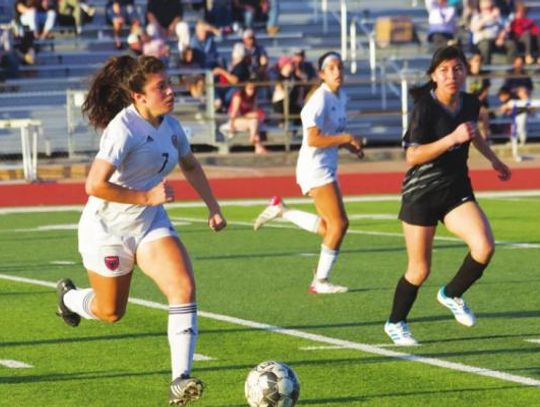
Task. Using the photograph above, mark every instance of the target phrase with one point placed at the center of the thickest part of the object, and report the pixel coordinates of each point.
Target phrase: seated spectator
(518, 77)
(220, 15)
(442, 20)
(272, 27)
(303, 69)
(488, 32)
(478, 84)
(256, 54)
(517, 112)
(165, 20)
(187, 60)
(204, 47)
(9, 61)
(37, 16)
(140, 43)
(120, 13)
(75, 12)
(136, 38)
(525, 32)
(245, 11)
(239, 72)
(286, 91)
(245, 115)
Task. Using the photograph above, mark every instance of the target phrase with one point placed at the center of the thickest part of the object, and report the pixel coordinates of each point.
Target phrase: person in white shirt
(442, 22)
(324, 118)
(124, 222)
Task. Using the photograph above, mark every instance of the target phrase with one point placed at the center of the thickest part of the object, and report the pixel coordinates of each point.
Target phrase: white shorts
(308, 184)
(111, 255)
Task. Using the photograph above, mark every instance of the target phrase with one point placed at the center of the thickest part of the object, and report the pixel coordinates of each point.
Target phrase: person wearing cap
(324, 119)
(285, 90)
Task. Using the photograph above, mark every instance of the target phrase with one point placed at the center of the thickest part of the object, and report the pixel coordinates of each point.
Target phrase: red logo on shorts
(112, 262)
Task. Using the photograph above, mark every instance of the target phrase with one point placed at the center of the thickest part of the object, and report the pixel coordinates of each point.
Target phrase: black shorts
(430, 208)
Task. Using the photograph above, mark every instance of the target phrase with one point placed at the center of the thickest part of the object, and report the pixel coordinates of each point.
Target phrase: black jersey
(431, 121)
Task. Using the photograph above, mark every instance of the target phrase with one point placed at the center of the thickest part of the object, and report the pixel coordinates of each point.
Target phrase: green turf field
(254, 306)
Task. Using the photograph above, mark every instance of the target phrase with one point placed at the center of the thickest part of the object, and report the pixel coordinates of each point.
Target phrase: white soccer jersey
(143, 157)
(327, 111)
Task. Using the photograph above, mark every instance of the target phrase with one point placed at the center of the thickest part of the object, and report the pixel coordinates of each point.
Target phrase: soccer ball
(272, 384)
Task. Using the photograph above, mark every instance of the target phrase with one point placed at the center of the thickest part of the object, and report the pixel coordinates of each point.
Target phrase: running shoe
(272, 211)
(184, 389)
(462, 313)
(400, 333)
(326, 287)
(71, 318)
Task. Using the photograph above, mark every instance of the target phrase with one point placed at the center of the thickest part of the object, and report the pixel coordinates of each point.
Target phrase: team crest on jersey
(112, 262)
(174, 140)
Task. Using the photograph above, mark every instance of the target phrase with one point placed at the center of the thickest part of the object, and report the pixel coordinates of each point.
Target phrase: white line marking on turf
(62, 263)
(14, 364)
(257, 202)
(320, 347)
(202, 358)
(533, 340)
(323, 339)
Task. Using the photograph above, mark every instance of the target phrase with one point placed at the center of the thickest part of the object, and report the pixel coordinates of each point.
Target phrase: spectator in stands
(124, 222)
(9, 61)
(287, 98)
(140, 43)
(246, 11)
(442, 20)
(187, 60)
(75, 12)
(272, 27)
(38, 16)
(525, 32)
(518, 77)
(25, 33)
(303, 69)
(489, 33)
(478, 84)
(246, 116)
(205, 51)
(220, 15)
(324, 119)
(256, 54)
(238, 72)
(120, 13)
(517, 112)
(165, 20)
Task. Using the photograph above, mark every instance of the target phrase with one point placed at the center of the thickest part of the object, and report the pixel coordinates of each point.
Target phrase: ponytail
(418, 92)
(111, 88)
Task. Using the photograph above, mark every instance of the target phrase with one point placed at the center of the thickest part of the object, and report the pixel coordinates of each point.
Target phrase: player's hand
(463, 133)
(355, 146)
(216, 221)
(161, 193)
(502, 169)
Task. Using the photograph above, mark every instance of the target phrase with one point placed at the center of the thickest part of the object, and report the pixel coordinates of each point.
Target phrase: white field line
(257, 202)
(14, 364)
(532, 340)
(527, 381)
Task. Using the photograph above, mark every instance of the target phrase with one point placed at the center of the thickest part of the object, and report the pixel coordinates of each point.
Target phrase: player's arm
(419, 154)
(98, 185)
(483, 147)
(195, 175)
(317, 139)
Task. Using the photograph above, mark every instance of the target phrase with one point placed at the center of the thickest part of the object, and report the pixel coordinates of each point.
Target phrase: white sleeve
(183, 143)
(114, 145)
(312, 113)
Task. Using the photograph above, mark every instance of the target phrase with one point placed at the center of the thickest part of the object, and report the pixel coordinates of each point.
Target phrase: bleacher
(64, 64)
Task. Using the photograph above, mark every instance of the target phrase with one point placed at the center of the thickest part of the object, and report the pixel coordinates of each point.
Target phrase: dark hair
(441, 55)
(111, 88)
(325, 55)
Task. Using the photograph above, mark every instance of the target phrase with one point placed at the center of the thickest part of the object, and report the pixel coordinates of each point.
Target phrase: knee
(417, 273)
(483, 251)
(111, 315)
(339, 226)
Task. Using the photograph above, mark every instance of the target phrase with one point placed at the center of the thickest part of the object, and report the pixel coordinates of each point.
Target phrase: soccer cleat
(272, 211)
(184, 389)
(326, 287)
(69, 317)
(400, 333)
(462, 313)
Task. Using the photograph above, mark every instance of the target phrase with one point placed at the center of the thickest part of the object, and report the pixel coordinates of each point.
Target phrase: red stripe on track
(260, 187)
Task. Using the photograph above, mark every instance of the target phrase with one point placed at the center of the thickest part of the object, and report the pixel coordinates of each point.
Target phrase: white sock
(80, 302)
(304, 220)
(327, 259)
(182, 333)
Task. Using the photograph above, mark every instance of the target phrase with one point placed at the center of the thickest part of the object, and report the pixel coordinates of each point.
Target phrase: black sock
(404, 298)
(468, 273)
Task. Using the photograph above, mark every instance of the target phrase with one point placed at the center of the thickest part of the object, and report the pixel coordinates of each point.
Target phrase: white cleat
(400, 333)
(462, 313)
(326, 287)
(271, 212)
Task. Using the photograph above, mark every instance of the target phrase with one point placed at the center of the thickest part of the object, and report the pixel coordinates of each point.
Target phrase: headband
(334, 56)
